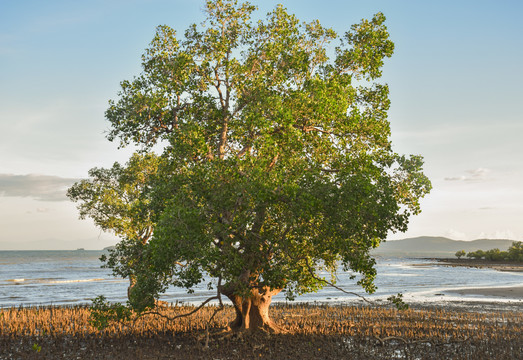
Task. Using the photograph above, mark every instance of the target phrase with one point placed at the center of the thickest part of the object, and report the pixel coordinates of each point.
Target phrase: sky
(456, 99)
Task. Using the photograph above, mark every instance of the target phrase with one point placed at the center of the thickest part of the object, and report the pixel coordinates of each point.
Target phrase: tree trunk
(132, 283)
(252, 312)
(142, 300)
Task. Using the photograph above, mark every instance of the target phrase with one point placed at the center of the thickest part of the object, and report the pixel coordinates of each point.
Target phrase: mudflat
(512, 292)
(480, 263)
(311, 332)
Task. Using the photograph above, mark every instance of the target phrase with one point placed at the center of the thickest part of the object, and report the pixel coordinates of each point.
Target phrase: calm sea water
(75, 277)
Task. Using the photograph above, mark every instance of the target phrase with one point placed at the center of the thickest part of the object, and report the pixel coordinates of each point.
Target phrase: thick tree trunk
(252, 312)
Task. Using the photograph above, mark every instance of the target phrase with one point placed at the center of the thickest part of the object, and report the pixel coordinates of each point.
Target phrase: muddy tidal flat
(311, 332)
(512, 292)
(475, 263)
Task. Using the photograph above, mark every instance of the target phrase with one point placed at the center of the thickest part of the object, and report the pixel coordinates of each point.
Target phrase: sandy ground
(514, 292)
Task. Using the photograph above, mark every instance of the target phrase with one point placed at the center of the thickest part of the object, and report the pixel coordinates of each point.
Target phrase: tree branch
(171, 318)
(273, 162)
(311, 272)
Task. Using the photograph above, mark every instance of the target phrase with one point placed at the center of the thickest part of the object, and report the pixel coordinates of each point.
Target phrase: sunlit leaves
(369, 46)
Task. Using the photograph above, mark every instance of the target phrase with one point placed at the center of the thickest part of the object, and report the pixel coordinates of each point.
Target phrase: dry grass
(328, 332)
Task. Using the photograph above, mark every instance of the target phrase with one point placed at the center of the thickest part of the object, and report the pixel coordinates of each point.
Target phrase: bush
(514, 253)
(460, 253)
(476, 254)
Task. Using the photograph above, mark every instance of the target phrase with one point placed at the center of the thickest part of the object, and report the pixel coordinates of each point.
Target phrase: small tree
(515, 251)
(479, 254)
(118, 200)
(277, 163)
(495, 255)
(460, 253)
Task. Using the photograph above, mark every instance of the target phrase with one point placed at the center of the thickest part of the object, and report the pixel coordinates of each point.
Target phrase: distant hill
(427, 246)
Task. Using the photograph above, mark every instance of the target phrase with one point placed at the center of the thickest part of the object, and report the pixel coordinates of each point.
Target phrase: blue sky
(456, 93)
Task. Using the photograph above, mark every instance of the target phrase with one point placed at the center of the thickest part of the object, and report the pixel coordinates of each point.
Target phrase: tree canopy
(514, 253)
(276, 161)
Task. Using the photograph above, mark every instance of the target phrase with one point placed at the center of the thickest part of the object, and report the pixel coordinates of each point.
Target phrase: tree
(495, 254)
(118, 200)
(276, 158)
(515, 251)
(460, 253)
(479, 254)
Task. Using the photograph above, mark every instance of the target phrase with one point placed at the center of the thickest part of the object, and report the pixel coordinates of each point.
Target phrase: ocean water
(34, 278)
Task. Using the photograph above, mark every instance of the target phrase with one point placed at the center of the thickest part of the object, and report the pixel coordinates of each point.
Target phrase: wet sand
(513, 292)
(496, 265)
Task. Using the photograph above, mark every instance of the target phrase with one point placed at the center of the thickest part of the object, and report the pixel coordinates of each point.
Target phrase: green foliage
(479, 254)
(37, 347)
(119, 200)
(276, 161)
(460, 253)
(104, 313)
(514, 253)
(495, 255)
(398, 302)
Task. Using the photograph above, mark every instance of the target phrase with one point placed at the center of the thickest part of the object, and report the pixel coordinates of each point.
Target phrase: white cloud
(39, 187)
(456, 235)
(478, 174)
(40, 210)
(498, 234)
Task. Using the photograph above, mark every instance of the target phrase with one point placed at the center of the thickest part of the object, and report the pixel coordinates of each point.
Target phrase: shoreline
(479, 263)
(507, 292)
(481, 302)
(493, 298)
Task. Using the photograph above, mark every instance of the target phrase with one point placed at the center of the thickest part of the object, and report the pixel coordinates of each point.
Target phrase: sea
(42, 278)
